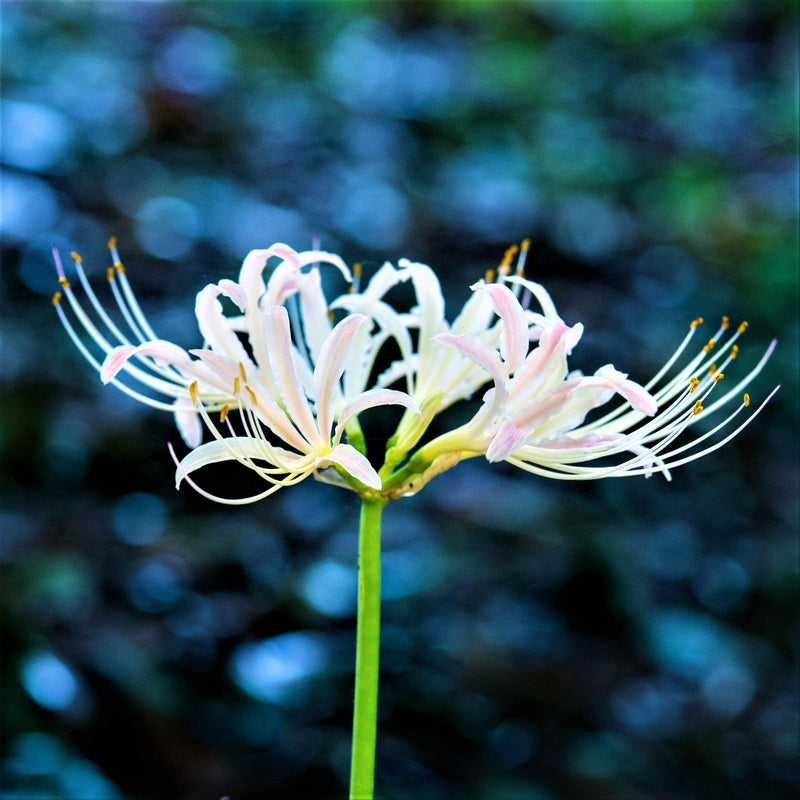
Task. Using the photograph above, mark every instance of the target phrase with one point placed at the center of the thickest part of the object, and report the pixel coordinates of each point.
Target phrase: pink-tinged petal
(115, 361)
(635, 394)
(539, 292)
(321, 257)
(284, 281)
(163, 352)
(280, 347)
(564, 407)
(215, 327)
(508, 439)
(474, 349)
(371, 399)
(221, 365)
(233, 291)
(546, 365)
(333, 356)
(251, 278)
(354, 463)
(514, 334)
(187, 421)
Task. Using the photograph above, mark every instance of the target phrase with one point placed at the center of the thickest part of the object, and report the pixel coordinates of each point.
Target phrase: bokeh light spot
(272, 669)
(49, 681)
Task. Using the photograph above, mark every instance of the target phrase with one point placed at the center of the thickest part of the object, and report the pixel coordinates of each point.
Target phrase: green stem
(368, 631)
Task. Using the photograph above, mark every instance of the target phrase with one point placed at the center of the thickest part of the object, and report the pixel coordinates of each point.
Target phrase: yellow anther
(330, 315)
(697, 408)
(242, 372)
(734, 351)
(508, 256)
(112, 242)
(725, 323)
(223, 414)
(709, 346)
(712, 369)
(64, 282)
(76, 258)
(489, 277)
(718, 377)
(696, 322)
(743, 327)
(747, 399)
(237, 385)
(252, 395)
(110, 274)
(693, 383)
(194, 392)
(526, 245)
(118, 267)
(357, 270)
(56, 298)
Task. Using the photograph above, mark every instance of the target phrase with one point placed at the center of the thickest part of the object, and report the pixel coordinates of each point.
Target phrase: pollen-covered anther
(242, 372)
(112, 243)
(743, 327)
(734, 351)
(746, 399)
(697, 408)
(712, 369)
(64, 282)
(508, 257)
(694, 382)
(57, 298)
(223, 414)
(709, 345)
(489, 276)
(237, 385)
(696, 322)
(252, 395)
(76, 258)
(194, 392)
(110, 274)
(119, 268)
(717, 378)
(725, 323)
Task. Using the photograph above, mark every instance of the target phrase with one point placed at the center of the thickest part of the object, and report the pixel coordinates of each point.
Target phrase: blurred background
(621, 639)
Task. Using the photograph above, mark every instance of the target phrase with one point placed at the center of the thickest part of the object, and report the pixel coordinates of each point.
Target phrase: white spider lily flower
(305, 427)
(281, 363)
(159, 373)
(533, 417)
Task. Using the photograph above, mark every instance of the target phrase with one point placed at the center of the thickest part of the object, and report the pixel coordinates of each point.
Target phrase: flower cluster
(288, 373)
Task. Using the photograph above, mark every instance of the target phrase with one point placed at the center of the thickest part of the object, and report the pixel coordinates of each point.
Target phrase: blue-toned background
(622, 639)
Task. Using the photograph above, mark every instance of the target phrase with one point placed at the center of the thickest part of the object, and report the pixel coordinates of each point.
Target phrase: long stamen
(167, 387)
(126, 288)
(230, 501)
(153, 403)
